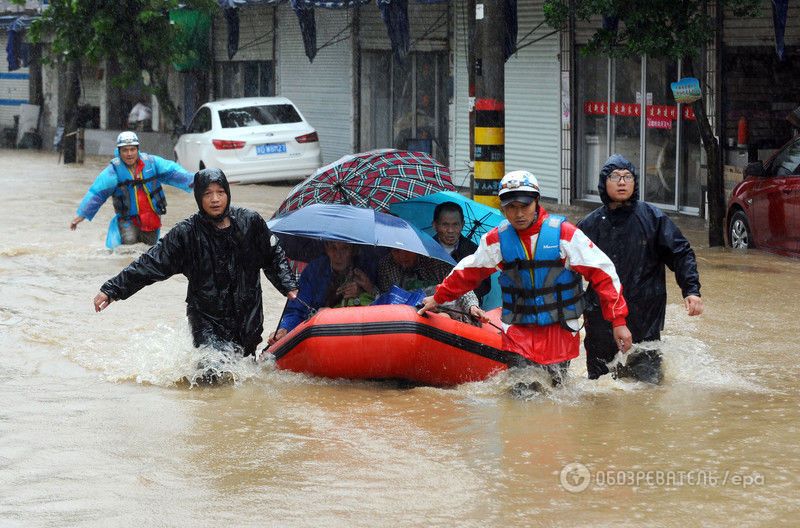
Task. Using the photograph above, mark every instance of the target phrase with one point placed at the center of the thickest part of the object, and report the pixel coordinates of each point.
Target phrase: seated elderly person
(337, 278)
(411, 271)
(448, 222)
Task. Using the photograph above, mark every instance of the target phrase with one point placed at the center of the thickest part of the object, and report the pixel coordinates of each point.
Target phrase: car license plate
(271, 148)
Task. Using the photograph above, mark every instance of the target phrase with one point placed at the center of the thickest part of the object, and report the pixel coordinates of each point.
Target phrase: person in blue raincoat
(134, 181)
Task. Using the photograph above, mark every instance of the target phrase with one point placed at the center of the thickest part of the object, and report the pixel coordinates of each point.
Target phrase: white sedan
(253, 139)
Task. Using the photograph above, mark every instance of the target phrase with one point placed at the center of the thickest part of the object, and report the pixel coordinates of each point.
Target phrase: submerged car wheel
(740, 232)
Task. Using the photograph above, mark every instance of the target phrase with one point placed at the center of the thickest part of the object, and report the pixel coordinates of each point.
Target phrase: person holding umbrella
(306, 235)
(448, 222)
(411, 272)
(372, 180)
(542, 258)
(333, 279)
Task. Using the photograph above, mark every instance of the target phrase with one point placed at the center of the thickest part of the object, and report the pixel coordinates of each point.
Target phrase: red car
(764, 208)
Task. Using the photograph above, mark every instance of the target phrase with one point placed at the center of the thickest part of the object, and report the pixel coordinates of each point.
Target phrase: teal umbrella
(479, 219)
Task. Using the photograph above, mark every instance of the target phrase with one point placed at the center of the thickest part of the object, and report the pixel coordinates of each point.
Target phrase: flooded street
(97, 428)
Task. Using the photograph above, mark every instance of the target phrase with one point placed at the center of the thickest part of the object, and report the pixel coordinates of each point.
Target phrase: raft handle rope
(461, 312)
(311, 311)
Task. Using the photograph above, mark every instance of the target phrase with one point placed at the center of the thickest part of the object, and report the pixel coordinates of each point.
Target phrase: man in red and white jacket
(542, 258)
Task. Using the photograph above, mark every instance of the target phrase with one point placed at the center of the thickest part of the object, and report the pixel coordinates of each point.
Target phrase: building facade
(14, 73)
(565, 111)
(626, 106)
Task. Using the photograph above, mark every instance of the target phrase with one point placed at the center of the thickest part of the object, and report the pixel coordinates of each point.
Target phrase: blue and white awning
(17, 50)
(8, 22)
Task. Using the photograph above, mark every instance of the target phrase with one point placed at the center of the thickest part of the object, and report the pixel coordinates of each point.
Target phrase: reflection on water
(101, 425)
(740, 267)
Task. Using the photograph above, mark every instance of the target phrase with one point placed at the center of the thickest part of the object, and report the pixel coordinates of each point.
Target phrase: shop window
(661, 133)
(88, 116)
(92, 87)
(693, 173)
(624, 113)
(257, 79)
(592, 88)
(406, 109)
(626, 95)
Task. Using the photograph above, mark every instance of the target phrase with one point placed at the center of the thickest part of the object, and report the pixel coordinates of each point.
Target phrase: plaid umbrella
(372, 179)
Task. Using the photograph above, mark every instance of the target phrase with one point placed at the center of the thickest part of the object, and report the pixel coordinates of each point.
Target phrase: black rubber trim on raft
(395, 327)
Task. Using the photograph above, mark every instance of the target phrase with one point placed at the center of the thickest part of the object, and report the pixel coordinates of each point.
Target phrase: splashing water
(164, 356)
(687, 362)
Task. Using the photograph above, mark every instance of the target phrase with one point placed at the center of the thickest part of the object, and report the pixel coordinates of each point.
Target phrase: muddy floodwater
(96, 428)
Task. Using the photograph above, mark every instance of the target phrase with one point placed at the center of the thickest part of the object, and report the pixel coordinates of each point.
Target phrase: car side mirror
(755, 168)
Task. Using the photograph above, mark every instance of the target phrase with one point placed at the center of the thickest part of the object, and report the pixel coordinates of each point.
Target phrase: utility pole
(489, 68)
(73, 93)
(471, 91)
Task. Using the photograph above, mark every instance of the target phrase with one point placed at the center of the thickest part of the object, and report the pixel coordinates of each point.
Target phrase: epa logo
(575, 477)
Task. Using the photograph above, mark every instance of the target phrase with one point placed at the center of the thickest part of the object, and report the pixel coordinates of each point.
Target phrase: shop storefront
(322, 89)
(355, 92)
(250, 72)
(533, 100)
(760, 87)
(14, 84)
(626, 106)
(405, 104)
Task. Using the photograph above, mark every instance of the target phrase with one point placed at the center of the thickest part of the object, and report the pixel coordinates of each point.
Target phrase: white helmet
(518, 186)
(127, 138)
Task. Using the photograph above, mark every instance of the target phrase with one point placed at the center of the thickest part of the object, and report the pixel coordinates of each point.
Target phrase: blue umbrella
(300, 231)
(479, 219)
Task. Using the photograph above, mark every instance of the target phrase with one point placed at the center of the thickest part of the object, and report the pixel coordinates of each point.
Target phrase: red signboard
(656, 112)
(656, 122)
(595, 108)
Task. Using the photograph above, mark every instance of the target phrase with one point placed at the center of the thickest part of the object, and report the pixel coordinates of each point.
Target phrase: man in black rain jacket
(640, 240)
(221, 250)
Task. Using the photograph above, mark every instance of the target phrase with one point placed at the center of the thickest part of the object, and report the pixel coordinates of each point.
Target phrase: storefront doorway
(404, 105)
(627, 108)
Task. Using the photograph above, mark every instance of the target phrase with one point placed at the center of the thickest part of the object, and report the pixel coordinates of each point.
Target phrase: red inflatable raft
(392, 342)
